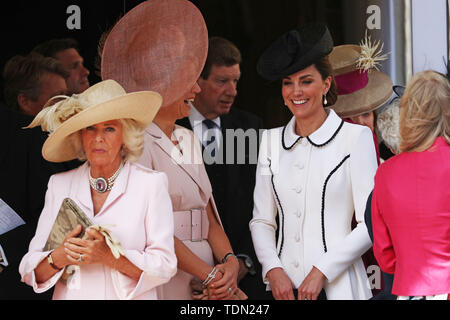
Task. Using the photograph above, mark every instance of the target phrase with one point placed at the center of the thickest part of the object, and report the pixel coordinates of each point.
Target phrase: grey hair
(388, 125)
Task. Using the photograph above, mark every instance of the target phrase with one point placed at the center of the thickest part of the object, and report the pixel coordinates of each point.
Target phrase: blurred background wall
(415, 32)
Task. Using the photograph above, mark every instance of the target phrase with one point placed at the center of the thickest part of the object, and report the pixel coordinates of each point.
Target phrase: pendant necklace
(101, 184)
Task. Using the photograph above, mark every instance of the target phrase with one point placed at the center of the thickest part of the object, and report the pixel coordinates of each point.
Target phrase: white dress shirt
(200, 129)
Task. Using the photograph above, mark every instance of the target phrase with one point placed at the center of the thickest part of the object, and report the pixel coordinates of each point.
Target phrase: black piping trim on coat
(284, 144)
(282, 212)
(322, 213)
(329, 140)
(310, 141)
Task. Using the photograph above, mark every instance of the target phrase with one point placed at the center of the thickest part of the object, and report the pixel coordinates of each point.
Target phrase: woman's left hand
(220, 289)
(312, 285)
(92, 250)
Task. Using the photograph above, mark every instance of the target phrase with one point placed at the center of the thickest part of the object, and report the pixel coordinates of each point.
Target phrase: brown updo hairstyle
(326, 70)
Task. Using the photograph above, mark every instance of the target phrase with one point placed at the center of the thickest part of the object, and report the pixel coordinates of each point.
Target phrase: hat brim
(139, 106)
(377, 92)
(399, 90)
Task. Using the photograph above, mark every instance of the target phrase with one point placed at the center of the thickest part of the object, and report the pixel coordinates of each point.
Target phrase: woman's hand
(44, 271)
(225, 279)
(280, 284)
(59, 255)
(92, 250)
(312, 285)
(198, 291)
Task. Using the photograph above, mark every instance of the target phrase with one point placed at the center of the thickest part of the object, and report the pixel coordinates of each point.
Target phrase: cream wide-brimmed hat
(104, 101)
(159, 45)
(361, 86)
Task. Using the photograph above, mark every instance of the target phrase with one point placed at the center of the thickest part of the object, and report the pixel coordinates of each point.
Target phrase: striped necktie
(211, 144)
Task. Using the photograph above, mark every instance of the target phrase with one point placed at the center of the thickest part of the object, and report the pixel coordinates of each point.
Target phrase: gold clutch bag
(69, 216)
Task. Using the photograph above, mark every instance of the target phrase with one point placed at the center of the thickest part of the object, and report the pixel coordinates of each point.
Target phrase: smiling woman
(304, 93)
(171, 61)
(312, 175)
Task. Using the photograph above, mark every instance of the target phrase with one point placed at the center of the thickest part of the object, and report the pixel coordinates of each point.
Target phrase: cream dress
(189, 189)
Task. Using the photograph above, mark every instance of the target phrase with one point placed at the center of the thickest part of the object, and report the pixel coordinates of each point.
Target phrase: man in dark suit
(230, 138)
(67, 51)
(23, 171)
(22, 189)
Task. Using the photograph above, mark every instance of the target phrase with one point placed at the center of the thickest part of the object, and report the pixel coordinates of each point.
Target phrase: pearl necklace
(101, 184)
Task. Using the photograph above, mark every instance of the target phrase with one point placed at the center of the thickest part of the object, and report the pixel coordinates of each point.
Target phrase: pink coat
(140, 212)
(411, 220)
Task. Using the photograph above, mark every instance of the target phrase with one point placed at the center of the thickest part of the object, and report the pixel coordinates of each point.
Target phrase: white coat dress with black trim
(307, 191)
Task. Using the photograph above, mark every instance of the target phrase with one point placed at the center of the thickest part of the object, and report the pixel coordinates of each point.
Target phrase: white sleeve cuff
(152, 275)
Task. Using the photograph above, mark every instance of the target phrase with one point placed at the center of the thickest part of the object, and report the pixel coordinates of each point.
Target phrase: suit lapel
(184, 123)
(226, 122)
(187, 161)
(81, 190)
(119, 188)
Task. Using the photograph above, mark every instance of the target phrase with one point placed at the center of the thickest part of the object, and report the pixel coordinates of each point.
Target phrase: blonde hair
(133, 139)
(425, 112)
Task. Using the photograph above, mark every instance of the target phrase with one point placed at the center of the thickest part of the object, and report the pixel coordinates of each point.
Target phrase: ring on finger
(80, 258)
(230, 290)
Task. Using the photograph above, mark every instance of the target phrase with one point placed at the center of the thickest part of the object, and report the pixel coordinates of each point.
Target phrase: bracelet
(51, 263)
(210, 277)
(229, 254)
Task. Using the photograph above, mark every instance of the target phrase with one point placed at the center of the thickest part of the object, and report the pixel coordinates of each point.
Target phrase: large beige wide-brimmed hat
(159, 45)
(104, 101)
(361, 86)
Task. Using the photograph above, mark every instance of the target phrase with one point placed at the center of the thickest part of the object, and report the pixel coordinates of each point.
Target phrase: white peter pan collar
(319, 138)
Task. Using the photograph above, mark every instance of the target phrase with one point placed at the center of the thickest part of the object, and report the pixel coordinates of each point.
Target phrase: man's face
(218, 91)
(51, 85)
(73, 62)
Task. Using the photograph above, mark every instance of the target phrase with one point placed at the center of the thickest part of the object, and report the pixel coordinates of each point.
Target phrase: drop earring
(325, 102)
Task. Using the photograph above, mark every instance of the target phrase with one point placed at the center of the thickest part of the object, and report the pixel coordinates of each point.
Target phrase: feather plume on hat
(362, 87)
(52, 116)
(371, 56)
